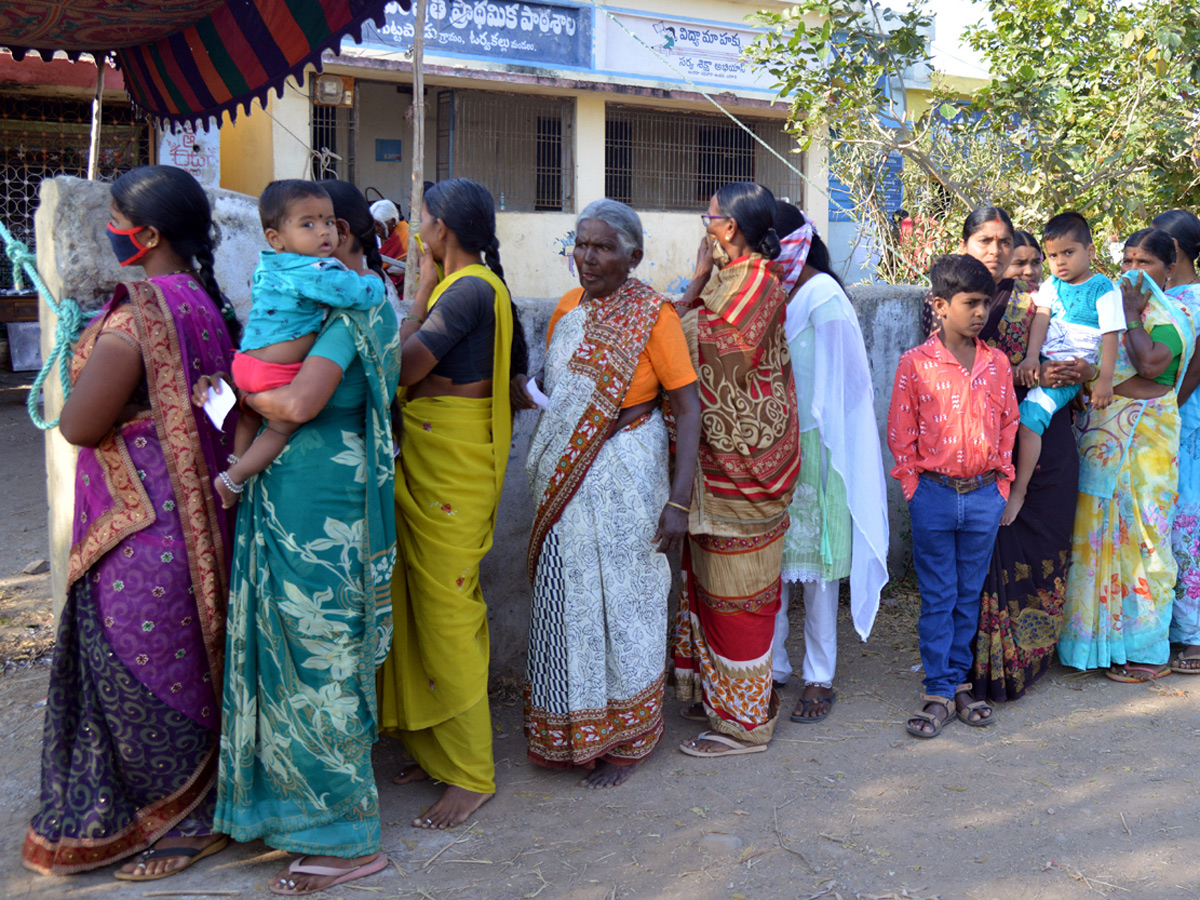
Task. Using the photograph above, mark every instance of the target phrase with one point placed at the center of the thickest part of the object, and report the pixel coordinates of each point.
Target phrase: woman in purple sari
(133, 711)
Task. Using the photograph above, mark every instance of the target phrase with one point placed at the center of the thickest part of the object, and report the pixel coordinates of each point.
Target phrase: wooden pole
(413, 261)
(97, 115)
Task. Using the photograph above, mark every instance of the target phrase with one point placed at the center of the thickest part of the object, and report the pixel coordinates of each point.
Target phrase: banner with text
(537, 33)
(707, 53)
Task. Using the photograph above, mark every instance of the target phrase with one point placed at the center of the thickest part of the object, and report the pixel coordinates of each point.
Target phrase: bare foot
(607, 775)
(289, 882)
(453, 808)
(409, 774)
(228, 498)
(161, 865)
(1016, 499)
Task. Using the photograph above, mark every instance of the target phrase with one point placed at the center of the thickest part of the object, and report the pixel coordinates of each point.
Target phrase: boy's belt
(962, 485)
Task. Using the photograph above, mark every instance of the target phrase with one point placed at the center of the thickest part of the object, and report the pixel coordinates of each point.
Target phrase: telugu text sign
(537, 33)
(705, 53)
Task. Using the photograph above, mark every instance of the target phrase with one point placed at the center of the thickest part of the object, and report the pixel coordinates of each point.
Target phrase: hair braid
(208, 280)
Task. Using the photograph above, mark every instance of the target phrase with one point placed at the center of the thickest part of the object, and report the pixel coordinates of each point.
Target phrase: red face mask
(127, 250)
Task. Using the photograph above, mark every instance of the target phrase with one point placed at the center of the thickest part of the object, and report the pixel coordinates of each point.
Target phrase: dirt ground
(1085, 788)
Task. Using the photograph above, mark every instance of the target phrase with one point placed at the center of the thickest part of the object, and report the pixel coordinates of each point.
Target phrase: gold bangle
(678, 506)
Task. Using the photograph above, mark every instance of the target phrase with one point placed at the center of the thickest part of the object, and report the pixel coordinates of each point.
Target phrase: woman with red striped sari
(748, 465)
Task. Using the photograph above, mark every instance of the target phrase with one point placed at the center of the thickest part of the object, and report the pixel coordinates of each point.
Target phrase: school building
(551, 106)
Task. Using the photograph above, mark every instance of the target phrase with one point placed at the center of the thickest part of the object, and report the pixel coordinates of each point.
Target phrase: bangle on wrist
(412, 319)
(679, 506)
(1136, 323)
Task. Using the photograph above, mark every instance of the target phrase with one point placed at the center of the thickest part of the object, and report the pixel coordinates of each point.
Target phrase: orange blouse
(665, 359)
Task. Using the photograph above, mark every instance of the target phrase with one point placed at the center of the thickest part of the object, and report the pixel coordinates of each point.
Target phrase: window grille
(43, 137)
(334, 141)
(518, 146)
(661, 159)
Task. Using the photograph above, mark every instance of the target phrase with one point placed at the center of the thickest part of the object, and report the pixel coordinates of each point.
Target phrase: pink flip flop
(1124, 674)
(343, 875)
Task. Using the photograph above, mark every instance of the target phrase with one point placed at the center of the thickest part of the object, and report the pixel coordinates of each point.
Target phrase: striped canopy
(187, 60)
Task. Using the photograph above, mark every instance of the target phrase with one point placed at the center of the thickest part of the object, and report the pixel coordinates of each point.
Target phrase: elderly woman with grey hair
(607, 509)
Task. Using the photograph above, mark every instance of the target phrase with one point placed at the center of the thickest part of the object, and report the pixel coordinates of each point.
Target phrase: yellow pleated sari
(433, 686)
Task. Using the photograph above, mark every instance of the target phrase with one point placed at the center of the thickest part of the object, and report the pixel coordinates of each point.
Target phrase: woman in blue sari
(310, 608)
(1184, 229)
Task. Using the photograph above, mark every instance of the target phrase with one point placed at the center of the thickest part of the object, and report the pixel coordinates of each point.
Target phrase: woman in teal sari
(310, 611)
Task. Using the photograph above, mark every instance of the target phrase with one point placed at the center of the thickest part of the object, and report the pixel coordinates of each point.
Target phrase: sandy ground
(1085, 788)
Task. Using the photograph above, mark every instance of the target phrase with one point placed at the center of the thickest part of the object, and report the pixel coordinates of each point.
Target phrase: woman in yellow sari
(461, 339)
(1121, 584)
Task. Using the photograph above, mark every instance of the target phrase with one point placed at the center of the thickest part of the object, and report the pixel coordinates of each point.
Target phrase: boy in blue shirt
(1079, 315)
(294, 285)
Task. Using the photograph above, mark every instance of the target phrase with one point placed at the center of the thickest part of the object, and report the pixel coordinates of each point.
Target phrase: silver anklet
(233, 486)
(828, 685)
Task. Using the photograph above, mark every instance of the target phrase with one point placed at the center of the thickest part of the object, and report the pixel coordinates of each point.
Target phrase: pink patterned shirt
(948, 420)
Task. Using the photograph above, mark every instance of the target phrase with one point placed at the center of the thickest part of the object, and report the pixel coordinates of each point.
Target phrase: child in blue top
(294, 285)
(1079, 315)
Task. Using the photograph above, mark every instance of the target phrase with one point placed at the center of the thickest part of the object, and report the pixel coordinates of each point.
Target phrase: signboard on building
(706, 53)
(540, 34)
(197, 152)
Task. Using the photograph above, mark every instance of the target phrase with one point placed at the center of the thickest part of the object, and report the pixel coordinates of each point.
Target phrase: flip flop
(378, 864)
(735, 748)
(1121, 673)
(805, 704)
(193, 855)
(686, 714)
(1177, 665)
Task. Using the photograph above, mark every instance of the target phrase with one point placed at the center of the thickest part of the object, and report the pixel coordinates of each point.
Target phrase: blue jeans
(953, 535)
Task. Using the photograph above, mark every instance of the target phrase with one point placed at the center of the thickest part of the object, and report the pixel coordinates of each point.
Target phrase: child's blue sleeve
(332, 284)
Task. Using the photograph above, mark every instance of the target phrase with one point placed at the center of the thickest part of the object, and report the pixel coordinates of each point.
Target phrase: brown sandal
(964, 714)
(938, 724)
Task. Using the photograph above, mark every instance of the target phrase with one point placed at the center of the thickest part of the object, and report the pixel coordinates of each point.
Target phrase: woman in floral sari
(1121, 585)
(133, 709)
(310, 609)
(749, 463)
(461, 340)
(1184, 229)
(607, 511)
(1020, 612)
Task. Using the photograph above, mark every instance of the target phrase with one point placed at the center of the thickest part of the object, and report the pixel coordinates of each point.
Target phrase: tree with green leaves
(1092, 105)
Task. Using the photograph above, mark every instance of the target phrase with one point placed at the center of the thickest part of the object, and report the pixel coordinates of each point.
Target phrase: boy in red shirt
(951, 427)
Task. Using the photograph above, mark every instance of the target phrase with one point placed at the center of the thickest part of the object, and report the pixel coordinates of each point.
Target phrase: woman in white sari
(839, 523)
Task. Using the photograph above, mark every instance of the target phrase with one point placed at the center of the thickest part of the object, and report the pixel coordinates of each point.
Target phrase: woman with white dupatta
(839, 524)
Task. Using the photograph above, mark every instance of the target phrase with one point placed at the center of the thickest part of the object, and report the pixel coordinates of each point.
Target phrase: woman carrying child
(1121, 585)
(310, 604)
(1184, 229)
(462, 341)
(133, 709)
(295, 284)
(1020, 610)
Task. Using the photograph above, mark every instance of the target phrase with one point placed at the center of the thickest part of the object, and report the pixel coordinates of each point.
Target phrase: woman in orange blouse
(607, 511)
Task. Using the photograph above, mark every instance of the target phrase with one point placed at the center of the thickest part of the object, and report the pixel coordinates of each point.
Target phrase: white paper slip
(218, 405)
(542, 401)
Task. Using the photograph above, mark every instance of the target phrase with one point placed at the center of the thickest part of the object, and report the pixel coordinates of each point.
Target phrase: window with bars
(662, 159)
(43, 137)
(333, 142)
(517, 145)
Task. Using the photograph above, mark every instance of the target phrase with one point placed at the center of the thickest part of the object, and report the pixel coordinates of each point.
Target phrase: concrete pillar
(291, 130)
(816, 186)
(589, 149)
